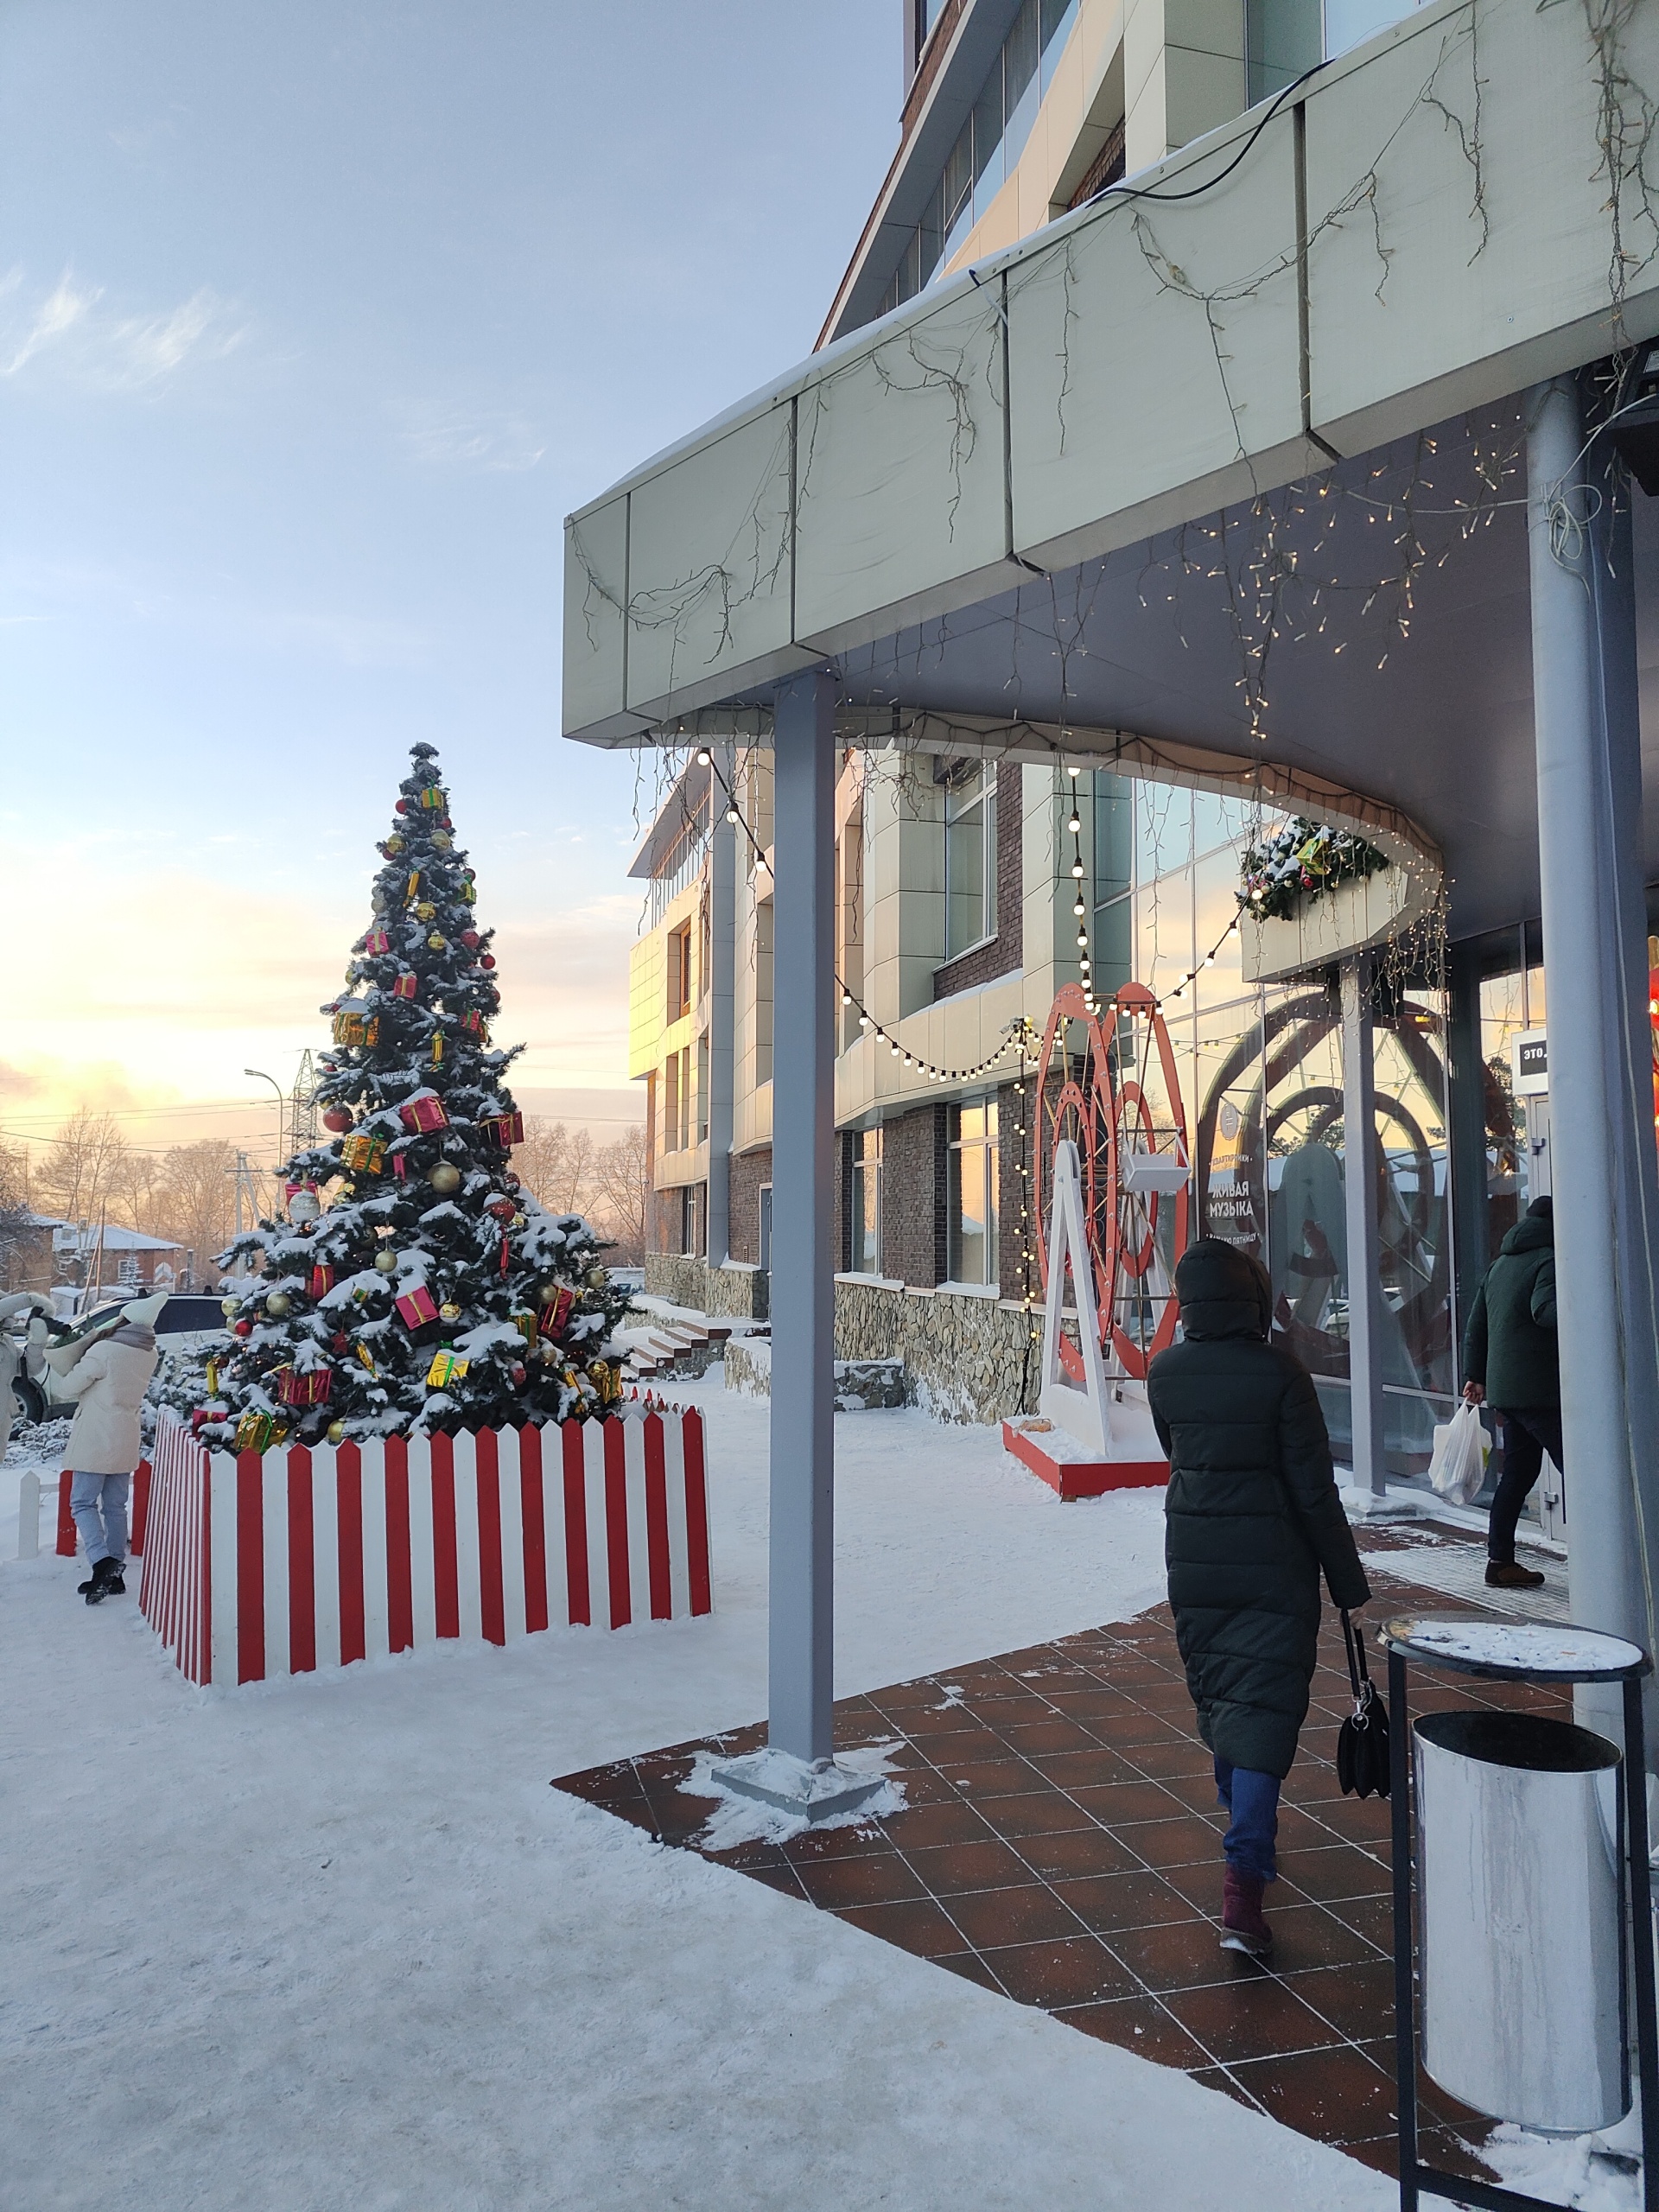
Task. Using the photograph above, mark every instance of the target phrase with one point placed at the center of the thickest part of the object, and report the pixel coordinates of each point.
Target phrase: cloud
(75, 338)
(492, 444)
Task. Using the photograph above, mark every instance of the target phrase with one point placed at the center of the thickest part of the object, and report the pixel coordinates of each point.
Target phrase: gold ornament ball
(449, 1311)
(444, 1177)
(437, 942)
(394, 843)
(519, 1221)
(336, 1432)
(441, 841)
(230, 1308)
(597, 1278)
(277, 1305)
(548, 1293)
(425, 911)
(550, 1355)
(386, 1260)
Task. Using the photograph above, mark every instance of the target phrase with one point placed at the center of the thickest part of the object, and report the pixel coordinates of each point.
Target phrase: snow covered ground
(335, 1943)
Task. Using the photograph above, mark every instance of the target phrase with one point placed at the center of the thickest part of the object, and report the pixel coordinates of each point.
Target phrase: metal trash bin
(1522, 1909)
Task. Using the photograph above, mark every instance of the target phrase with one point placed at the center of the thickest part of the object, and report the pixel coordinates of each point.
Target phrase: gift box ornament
(423, 1113)
(366, 1357)
(321, 1283)
(213, 1378)
(348, 1027)
(557, 1312)
(432, 799)
(416, 1307)
(363, 1155)
(524, 1323)
(254, 1432)
(399, 1167)
(405, 985)
(437, 1051)
(377, 941)
(447, 1367)
(472, 1022)
(503, 1130)
(413, 892)
(311, 1388)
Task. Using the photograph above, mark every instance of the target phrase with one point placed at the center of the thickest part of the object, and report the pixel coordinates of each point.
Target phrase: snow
(334, 1941)
(1532, 1649)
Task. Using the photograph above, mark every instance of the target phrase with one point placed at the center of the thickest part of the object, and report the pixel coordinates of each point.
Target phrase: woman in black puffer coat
(1251, 1517)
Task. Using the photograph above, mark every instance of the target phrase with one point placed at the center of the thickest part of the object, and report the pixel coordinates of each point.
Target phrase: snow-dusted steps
(258, 1565)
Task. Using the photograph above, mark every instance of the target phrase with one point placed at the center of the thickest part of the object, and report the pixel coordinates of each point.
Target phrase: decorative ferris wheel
(1107, 1084)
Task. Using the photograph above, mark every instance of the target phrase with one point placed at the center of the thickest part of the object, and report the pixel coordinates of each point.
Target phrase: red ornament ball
(337, 1118)
(402, 807)
(340, 1343)
(517, 1371)
(503, 1208)
(469, 938)
(486, 960)
(244, 1329)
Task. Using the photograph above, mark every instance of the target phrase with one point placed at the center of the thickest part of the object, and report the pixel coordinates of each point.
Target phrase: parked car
(183, 1319)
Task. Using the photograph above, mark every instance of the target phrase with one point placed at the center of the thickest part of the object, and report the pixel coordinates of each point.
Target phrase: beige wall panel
(1449, 299)
(900, 466)
(710, 572)
(1118, 389)
(595, 589)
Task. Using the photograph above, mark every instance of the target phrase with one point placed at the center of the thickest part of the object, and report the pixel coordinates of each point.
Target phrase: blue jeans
(1252, 1798)
(99, 1505)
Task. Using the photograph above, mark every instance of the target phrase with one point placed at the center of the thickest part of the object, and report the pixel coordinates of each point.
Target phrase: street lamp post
(260, 1075)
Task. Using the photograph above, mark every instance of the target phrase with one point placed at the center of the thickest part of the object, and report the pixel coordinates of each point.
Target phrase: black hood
(1222, 1292)
(1534, 1231)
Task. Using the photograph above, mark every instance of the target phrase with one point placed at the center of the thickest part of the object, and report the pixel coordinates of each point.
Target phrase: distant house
(112, 1258)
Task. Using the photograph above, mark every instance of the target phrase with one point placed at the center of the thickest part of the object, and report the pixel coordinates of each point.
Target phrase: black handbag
(1362, 1741)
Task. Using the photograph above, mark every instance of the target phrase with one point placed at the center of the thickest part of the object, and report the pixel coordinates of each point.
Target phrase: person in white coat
(11, 1354)
(108, 1374)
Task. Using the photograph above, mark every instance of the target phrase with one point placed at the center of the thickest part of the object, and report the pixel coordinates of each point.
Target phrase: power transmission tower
(302, 1106)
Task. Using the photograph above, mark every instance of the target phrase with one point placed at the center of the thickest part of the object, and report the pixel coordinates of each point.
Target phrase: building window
(679, 973)
(676, 1101)
(864, 1202)
(970, 858)
(691, 1219)
(974, 1193)
(764, 1244)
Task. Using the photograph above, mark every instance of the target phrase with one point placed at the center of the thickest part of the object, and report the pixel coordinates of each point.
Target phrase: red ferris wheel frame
(1089, 1097)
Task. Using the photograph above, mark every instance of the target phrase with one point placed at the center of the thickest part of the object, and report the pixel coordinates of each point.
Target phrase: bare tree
(557, 1164)
(20, 1242)
(133, 1182)
(84, 1169)
(194, 1204)
(622, 1179)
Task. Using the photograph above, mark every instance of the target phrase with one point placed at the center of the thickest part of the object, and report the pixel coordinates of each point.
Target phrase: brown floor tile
(1200, 1884)
(1218, 2077)
(1185, 1760)
(1355, 1819)
(923, 1785)
(992, 1919)
(636, 1811)
(980, 1779)
(920, 1926)
(950, 1869)
(1357, 2000)
(1083, 1770)
(1372, 1916)
(1196, 1791)
(1308, 1935)
(820, 1844)
(1187, 1841)
(1256, 2018)
(971, 1968)
(1187, 1954)
(882, 1878)
(924, 1828)
(1075, 1970)
(1119, 1730)
(780, 1878)
(1333, 1874)
(1078, 1851)
(1033, 1738)
(1336, 2095)
(1036, 1812)
(1140, 2024)
(1108, 1902)
(1115, 1804)
(1381, 2153)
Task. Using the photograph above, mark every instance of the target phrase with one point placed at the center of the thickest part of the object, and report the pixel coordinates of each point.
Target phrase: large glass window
(864, 1202)
(970, 858)
(974, 1193)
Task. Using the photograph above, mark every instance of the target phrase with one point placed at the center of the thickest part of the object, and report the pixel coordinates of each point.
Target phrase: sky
(316, 320)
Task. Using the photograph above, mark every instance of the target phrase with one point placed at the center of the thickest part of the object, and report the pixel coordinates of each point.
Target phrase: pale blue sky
(314, 322)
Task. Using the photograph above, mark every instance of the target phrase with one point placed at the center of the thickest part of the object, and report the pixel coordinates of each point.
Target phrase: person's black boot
(107, 1579)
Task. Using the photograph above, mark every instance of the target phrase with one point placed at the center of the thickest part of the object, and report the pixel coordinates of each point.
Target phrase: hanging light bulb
(1075, 825)
(704, 758)
(732, 814)
(1076, 869)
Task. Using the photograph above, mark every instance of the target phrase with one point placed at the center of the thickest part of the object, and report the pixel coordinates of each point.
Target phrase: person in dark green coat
(1251, 1517)
(1510, 1356)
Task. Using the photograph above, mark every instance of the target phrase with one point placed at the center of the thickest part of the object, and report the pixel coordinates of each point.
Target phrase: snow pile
(1574, 2170)
(335, 1941)
(738, 1818)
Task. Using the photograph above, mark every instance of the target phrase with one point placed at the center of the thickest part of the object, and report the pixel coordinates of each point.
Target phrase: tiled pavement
(1061, 1845)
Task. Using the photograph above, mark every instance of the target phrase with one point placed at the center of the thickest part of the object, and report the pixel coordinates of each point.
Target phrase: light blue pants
(99, 1505)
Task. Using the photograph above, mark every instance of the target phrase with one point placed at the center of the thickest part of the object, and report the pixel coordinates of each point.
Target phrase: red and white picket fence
(258, 1565)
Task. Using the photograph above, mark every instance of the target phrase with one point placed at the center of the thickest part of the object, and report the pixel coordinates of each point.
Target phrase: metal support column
(1588, 769)
(797, 1771)
(722, 924)
(1364, 1250)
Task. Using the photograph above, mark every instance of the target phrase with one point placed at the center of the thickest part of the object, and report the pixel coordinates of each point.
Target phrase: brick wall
(1003, 954)
(749, 1171)
(913, 1196)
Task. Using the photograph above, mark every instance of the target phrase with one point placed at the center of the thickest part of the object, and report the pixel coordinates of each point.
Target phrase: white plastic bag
(1458, 1467)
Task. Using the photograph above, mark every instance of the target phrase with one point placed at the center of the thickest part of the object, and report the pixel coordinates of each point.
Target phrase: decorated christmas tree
(416, 1284)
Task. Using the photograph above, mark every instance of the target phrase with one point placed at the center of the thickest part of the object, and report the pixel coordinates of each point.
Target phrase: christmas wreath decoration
(1300, 861)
